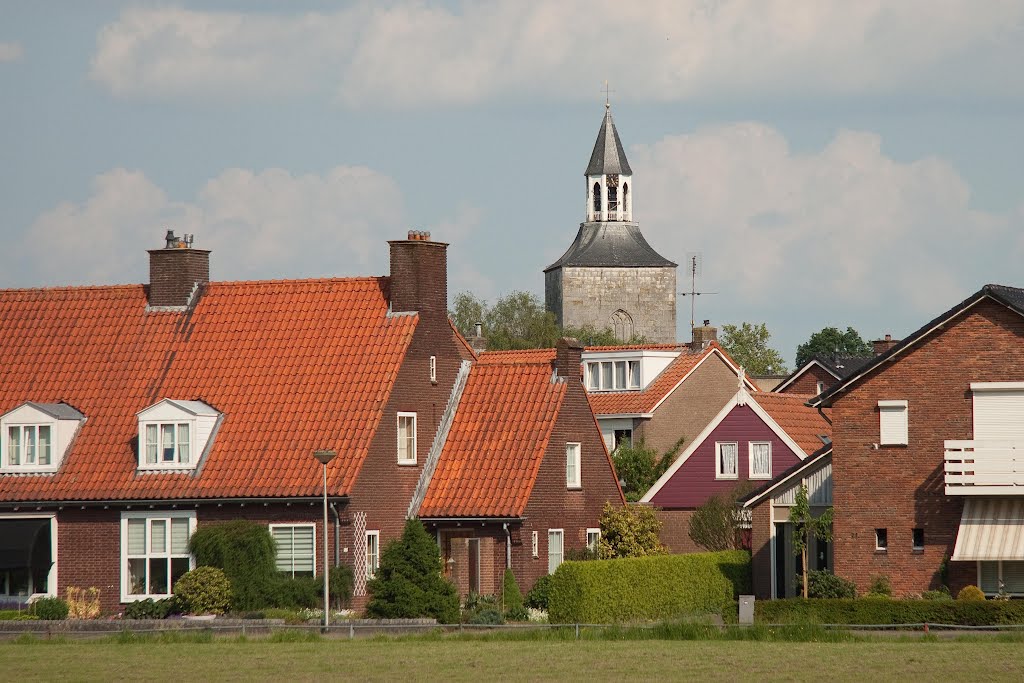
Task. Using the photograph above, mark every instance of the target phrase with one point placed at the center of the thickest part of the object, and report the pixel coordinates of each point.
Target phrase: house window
(433, 369)
(726, 456)
(881, 539)
(892, 423)
(760, 460)
(296, 548)
(28, 557)
(573, 472)
(29, 446)
(634, 374)
(593, 540)
(154, 552)
(372, 553)
(622, 437)
(819, 387)
(167, 444)
(1006, 577)
(535, 545)
(918, 539)
(555, 538)
(407, 438)
(618, 375)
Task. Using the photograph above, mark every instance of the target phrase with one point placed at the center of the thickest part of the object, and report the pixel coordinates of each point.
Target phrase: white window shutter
(893, 427)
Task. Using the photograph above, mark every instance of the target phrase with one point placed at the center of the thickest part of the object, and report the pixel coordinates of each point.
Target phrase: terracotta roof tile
(518, 356)
(803, 424)
(633, 402)
(293, 365)
(497, 440)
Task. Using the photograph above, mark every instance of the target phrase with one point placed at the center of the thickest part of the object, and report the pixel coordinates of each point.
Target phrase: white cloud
(259, 225)
(10, 52)
(839, 234)
(411, 53)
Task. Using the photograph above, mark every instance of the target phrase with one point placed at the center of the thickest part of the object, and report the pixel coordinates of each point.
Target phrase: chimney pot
(419, 276)
(176, 271)
(479, 329)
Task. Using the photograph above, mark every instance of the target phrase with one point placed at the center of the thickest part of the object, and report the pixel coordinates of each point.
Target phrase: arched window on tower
(597, 201)
(622, 325)
(625, 201)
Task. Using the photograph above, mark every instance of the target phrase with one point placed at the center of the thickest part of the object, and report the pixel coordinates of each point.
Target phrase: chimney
(703, 335)
(880, 346)
(478, 342)
(176, 271)
(419, 276)
(568, 357)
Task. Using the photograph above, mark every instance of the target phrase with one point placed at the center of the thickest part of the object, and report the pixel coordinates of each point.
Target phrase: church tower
(610, 277)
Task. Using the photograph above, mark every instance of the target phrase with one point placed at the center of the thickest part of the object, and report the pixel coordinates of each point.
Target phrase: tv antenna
(695, 262)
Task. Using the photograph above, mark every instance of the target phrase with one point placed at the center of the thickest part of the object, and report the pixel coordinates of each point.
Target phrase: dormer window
(618, 375)
(173, 435)
(35, 436)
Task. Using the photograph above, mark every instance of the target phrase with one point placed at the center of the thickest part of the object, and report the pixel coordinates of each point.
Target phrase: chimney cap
(419, 236)
(171, 241)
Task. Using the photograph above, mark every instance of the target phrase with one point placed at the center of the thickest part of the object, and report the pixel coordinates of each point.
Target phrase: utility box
(746, 610)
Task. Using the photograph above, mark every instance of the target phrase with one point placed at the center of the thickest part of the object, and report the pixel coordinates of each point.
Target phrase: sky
(834, 163)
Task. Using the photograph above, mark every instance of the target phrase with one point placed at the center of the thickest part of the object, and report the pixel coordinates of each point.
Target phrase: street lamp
(324, 457)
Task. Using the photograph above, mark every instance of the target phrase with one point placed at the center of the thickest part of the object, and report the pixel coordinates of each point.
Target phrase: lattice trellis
(359, 553)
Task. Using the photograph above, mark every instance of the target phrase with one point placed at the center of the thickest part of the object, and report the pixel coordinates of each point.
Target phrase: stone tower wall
(589, 296)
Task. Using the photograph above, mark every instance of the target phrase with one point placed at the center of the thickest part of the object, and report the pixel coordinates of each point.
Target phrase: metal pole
(327, 603)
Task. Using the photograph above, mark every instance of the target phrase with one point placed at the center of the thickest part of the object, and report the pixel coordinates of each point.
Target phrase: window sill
(49, 469)
(721, 478)
(881, 551)
(760, 477)
(573, 488)
(407, 463)
(917, 551)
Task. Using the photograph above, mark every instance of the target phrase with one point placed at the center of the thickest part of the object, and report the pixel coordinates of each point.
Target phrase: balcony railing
(984, 468)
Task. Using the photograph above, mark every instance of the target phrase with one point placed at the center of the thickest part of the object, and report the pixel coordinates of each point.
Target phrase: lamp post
(324, 457)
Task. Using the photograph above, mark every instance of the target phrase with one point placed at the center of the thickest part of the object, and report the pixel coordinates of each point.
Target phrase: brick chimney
(176, 271)
(478, 342)
(568, 356)
(419, 276)
(880, 346)
(703, 335)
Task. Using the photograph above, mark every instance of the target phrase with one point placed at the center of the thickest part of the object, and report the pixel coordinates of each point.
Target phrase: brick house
(925, 488)
(753, 438)
(818, 374)
(132, 415)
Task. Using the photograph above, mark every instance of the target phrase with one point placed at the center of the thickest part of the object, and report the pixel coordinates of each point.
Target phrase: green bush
(512, 597)
(293, 593)
(482, 609)
(825, 585)
(970, 593)
(537, 597)
(204, 590)
(246, 552)
(152, 609)
(940, 594)
(16, 615)
(881, 586)
(888, 612)
(50, 609)
(409, 583)
(342, 582)
(660, 587)
(629, 531)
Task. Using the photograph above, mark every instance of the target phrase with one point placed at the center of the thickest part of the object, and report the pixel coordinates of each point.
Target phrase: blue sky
(836, 163)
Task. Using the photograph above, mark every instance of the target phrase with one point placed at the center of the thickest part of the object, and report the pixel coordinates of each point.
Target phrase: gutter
(473, 520)
(169, 502)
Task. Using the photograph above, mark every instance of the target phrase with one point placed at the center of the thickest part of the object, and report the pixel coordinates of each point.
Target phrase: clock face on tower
(613, 180)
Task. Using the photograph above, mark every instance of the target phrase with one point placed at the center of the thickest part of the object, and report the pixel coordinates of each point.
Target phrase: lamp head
(324, 456)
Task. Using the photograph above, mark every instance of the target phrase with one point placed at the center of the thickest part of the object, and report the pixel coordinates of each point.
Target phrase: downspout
(337, 535)
(508, 546)
(822, 413)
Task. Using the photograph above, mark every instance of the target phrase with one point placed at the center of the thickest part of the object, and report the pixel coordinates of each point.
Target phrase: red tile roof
(519, 356)
(639, 347)
(293, 365)
(497, 440)
(801, 423)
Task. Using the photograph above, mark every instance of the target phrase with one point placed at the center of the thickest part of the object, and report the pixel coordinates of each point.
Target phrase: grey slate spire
(608, 156)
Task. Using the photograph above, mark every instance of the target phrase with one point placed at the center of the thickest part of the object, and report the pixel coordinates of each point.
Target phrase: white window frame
(51, 578)
(878, 537)
(604, 375)
(893, 423)
(719, 474)
(574, 469)
(22, 428)
(433, 369)
(535, 544)
(292, 526)
(149, 516)
(372, 558)
(555, 557)
(402, 448)
(593, 539)
(160, 464)
(630, 383)
(750, 460)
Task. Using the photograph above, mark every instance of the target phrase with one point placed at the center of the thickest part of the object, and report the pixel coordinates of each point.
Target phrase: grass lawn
(483, 660)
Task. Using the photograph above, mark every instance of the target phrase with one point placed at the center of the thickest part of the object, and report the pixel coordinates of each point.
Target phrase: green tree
(747, 343)
(638, 466)
(830, 341)
(716, 523)
(806, 526)
(409, 583)
(629, 531)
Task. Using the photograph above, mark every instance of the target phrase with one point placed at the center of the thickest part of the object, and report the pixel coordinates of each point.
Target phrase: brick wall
(675, 531)
(173, 273)
(807, 383)
(901, 487)
(760, 550)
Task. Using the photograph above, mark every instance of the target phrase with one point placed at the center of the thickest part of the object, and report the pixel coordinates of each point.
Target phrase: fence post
(351, 631)
(577, 631)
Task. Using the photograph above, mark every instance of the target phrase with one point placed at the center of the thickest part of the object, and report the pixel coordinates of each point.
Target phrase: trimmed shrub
(512, 598)
(537, 597)
(50, 609)
(152, 609)
(889, 612)
(826, 585)
(204, 590)
(294, 593)
(940, 594)
(246, 552)
(16, 615)
(342, 582)
(647, 587)
(409, 583)
(970, 593)
(630, 531)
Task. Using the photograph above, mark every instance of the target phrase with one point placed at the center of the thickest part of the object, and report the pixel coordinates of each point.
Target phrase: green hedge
(883, 611)
(643, 588)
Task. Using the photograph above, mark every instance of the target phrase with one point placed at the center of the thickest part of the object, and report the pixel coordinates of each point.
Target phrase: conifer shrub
(204, 590)
(246, 552)
(409, 583)
(970, 593)
(537, 597)
(512, 598)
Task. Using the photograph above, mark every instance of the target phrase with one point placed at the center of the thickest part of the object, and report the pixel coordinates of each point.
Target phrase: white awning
(991, 529)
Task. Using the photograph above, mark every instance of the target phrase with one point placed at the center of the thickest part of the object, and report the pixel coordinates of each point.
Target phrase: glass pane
(21, 582)
(1013, 577)
(606, 375)
(179, 566)
(179, 536)
(283, 540)
(728, 451)
(620, 375)
(167, 443)
(137, 576)
(595, 375)
(183, 444)
(158, 536)
(634, 374)
(158, 576)
(30, 445)
(151, 444)
(44, 445)
(14, 445)
(136, 537)
(989, 579)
